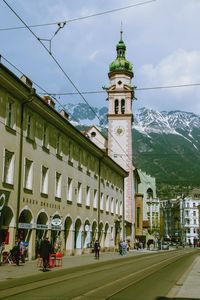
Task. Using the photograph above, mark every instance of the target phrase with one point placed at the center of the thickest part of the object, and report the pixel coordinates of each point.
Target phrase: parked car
(165, 246)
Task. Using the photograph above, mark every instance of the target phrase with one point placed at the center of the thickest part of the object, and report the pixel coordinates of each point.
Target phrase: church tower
(120, 118)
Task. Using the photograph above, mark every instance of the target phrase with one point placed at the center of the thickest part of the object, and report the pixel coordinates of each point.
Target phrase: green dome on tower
(120, 64)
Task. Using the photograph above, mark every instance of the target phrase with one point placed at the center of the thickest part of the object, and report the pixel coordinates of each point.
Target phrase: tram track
(110, 288)
(113, 288)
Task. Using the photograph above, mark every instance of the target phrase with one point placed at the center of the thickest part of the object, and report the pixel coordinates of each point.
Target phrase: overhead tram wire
(72, 117)
(63, 71)
(1, 56)
(46, 93)
(136, 89)
(80, 18)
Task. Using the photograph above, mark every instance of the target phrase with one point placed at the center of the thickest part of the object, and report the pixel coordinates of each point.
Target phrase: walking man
(96, 249)
(45, 250)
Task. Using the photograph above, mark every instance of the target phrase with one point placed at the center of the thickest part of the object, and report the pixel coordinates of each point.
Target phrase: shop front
(26, 231)
(41, 230)
(57, 238)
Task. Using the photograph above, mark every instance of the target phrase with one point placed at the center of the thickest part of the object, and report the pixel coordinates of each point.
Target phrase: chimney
(49, 101)
(26, 80)
(64, 114)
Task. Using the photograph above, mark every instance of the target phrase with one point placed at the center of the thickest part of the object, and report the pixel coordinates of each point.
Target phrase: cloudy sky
(162, 39)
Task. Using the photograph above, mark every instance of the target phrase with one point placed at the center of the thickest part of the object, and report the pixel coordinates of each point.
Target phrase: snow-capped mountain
(165, 144)
(180, 123)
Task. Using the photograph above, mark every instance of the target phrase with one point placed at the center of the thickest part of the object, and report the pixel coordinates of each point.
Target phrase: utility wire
(80, 18)
(161, 154)
(136, 89)
(42, 89)
(63, 71)
(46, 93)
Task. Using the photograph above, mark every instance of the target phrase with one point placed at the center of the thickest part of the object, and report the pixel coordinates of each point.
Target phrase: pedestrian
(22, 249)
(120, 248)
(44, 251)
(96, 249)
(15, 252)
(124, 248)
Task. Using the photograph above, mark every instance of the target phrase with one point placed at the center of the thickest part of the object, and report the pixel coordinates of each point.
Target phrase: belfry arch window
(116, 106)
(149, 193)
(122, 106)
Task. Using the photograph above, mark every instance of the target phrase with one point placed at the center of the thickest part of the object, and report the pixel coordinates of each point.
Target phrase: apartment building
(54, 180)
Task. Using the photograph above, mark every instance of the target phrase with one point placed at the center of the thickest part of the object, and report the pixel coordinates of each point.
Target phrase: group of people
(18, 252)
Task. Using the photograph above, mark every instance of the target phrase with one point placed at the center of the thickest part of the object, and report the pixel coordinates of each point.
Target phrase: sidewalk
(189, 284)
(8, 272)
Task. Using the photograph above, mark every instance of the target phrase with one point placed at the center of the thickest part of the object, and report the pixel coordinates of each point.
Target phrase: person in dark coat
(96, 249)
(44, 251)
(15, 252)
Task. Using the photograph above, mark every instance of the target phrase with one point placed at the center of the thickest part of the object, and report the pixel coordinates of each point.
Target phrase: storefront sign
(56, 222)
(25, 226)
(55, 227)
(41, 226)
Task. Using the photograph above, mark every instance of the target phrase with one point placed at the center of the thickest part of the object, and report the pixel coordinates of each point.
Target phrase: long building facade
(54, 180)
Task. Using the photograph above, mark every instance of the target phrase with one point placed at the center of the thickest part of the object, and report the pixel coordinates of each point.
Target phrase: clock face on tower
(119, 130)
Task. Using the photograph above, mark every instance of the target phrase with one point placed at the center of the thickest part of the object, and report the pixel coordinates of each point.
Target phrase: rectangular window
(70, 189)
(194, 213)
(8, 167)
(121, 209)
(88, 196)
(80, 157)
(95, 199)
(59, 145)
(45, 142)
(70, 152)
(58, 185)
(80, 192)
(116, 207)
(112, 205)
(29, 121)
(10, 122)
(44, 180)
(101, 201)
(28, 175)
(138, 217)
(107, 203)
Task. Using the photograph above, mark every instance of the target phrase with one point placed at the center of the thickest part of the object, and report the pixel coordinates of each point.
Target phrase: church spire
(120, 64)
